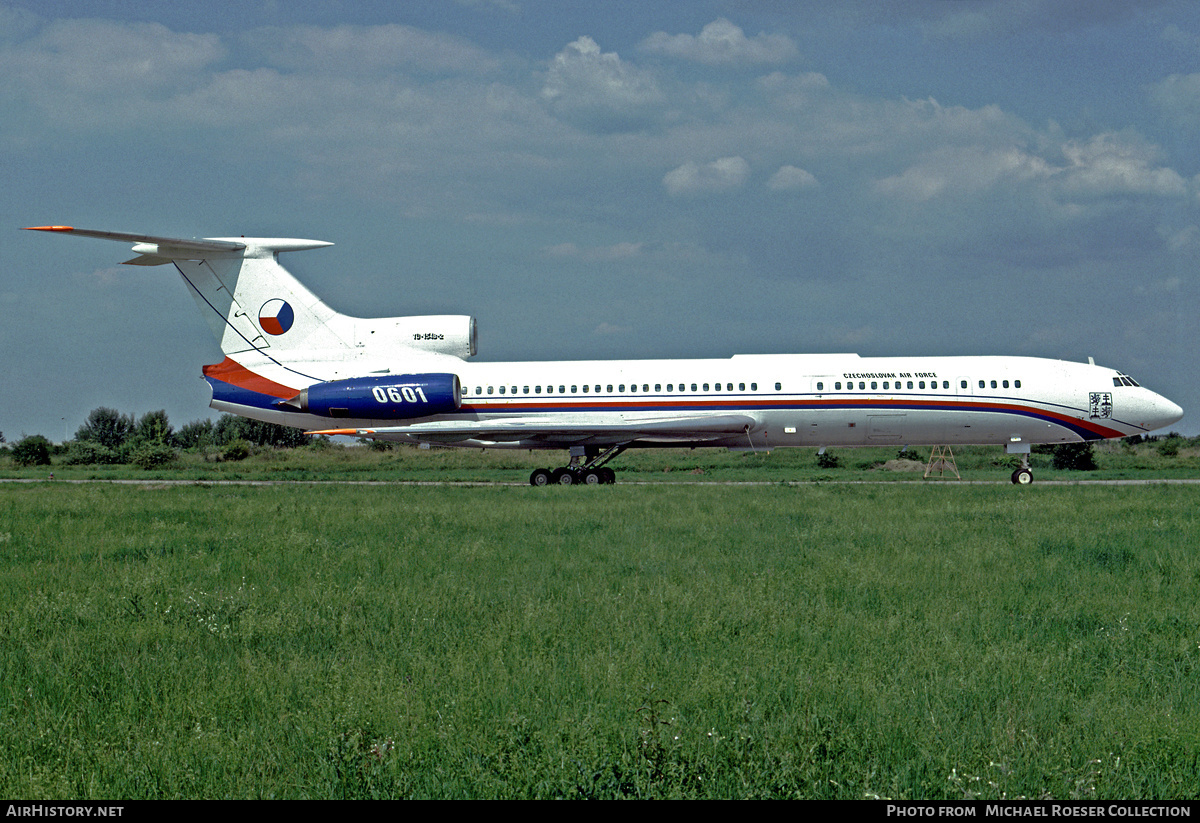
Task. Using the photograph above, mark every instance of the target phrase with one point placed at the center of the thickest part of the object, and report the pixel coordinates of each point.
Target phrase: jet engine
(387, 397)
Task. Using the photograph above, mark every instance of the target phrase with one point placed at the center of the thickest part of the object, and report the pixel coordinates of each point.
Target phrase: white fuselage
(790, 400)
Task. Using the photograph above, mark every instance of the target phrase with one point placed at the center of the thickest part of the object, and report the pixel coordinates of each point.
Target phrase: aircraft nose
(1161, 413)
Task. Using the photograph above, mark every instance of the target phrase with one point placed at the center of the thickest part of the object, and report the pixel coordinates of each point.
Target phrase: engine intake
(451, 334)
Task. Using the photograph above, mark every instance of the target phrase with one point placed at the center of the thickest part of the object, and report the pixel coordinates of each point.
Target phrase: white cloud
(1178, 98)
(83, 72)
(595, 254)
(721, 43)
(722, 174)
(1113, 165)
(357, 49)
(959, 170)
(1105, 166)
(599, 91)
(791, 178)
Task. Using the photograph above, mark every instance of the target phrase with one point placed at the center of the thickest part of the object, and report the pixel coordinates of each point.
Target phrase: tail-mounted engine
(389, 397)
(442, 333)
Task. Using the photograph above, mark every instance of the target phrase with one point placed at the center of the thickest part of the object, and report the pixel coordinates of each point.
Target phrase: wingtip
(49, 228)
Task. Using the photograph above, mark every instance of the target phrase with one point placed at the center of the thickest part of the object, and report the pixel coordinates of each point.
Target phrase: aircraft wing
(568, 429)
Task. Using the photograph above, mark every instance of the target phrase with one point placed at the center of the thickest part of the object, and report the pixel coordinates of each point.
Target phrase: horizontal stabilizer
(154, 250)
(183, 244)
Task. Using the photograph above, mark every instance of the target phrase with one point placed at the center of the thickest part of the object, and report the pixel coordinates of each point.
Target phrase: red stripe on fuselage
(758, 403)
(235, 374)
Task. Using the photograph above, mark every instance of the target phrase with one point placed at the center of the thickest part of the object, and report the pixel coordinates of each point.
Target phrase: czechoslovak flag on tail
(275, 316)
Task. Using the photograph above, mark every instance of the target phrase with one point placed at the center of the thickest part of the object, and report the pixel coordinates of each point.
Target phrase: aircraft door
(813, 423)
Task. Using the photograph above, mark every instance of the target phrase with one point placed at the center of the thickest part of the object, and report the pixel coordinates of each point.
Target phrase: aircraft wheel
(608, 476)
(592, 477)
(1022, 477)
(540, 477)
(563, 477)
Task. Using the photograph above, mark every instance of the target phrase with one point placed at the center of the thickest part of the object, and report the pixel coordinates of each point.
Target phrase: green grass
(899, 640)
(335, 462)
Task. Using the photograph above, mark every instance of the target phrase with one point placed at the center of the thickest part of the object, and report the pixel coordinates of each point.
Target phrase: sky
(606, 180)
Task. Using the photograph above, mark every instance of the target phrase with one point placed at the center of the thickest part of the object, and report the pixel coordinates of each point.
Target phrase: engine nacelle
(386, 397)
(451, 334)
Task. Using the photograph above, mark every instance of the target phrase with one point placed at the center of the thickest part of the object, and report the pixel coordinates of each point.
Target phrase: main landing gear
(591, 473)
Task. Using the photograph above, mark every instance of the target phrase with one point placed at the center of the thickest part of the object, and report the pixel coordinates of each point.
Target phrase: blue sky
(603, 180)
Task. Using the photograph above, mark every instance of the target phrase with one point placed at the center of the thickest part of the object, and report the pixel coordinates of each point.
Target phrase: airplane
(292, 360)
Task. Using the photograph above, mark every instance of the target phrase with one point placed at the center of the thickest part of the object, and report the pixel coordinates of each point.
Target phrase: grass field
(899, 640)
(1115, 460)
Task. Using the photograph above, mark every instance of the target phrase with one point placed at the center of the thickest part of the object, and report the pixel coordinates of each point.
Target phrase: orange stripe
(235, 374)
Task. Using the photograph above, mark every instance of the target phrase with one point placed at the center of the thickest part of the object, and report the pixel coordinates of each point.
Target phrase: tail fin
(249, 300)
(277, 336)
(254, 306)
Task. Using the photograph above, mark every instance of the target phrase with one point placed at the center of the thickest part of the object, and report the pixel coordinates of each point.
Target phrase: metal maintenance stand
(941, 459)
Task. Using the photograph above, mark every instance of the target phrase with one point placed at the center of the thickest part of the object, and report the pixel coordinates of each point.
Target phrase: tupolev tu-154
(290, 359)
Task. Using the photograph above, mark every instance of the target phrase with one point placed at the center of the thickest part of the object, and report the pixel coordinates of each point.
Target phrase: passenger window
(741, 386)
(537, 389)
(963, 384)
(1016, 384)
(1006, 384)
(549, 390)
(658, 387)
(645, 387)
(753, 387)
(693, 387)
(489, 389)
(574, 390)
(706, 387)
(610, 388)
(633, 387)
(981, 384)
(993, 384)
(562, 389)
(479, 389)
(837, 386)
(874, 385)
(728, 387)
(921, 384)
(778, 387)
(861, 385)
(502, 389)
(670, 387)
(526, 390)
(820, 386)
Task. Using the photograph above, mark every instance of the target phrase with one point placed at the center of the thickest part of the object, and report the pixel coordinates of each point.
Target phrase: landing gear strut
(591, 473)
(1023, 476)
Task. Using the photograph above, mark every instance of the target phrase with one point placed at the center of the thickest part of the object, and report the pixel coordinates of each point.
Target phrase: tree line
(109, 437)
